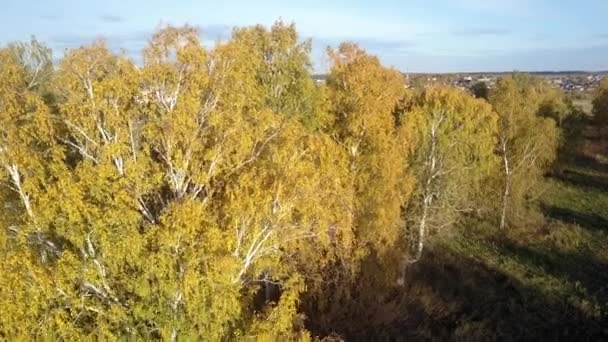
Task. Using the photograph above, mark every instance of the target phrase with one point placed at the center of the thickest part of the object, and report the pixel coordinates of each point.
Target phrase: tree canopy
(600, 104)
(527, 141)
(221, 193)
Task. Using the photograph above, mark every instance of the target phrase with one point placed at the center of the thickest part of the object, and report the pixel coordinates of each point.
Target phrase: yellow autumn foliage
(221, 193)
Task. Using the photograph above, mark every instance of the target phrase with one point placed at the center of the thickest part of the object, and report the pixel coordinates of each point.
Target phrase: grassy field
(547, 281)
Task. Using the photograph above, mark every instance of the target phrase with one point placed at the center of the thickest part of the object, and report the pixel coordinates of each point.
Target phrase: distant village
(574, 82)
(580, 82)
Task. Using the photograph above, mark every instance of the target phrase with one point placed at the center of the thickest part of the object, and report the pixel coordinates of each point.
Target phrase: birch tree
(139, 208)
(37, 61)
(28, 155)
(527, 142)
(283, 71)
(456, 136)
(219, 193)
(600, 104)
(363, 98)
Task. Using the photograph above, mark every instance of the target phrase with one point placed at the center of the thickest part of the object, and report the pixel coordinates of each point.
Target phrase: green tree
(283, 71)
(37, 60)
(456, 138)
(480, 90)
(600, 104)
(527, 142)
(555, 105)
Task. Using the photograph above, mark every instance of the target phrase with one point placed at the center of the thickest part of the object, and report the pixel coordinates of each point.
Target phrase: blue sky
(411, 35)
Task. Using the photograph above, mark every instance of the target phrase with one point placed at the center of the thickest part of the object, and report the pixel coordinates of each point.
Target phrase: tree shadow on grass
(589, 221)
(452, 297)
(589, 163)
(580, 179)
(579, 268)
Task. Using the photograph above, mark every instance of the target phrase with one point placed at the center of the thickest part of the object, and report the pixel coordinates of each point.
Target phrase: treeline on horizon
(322, 76)
(220, 193)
